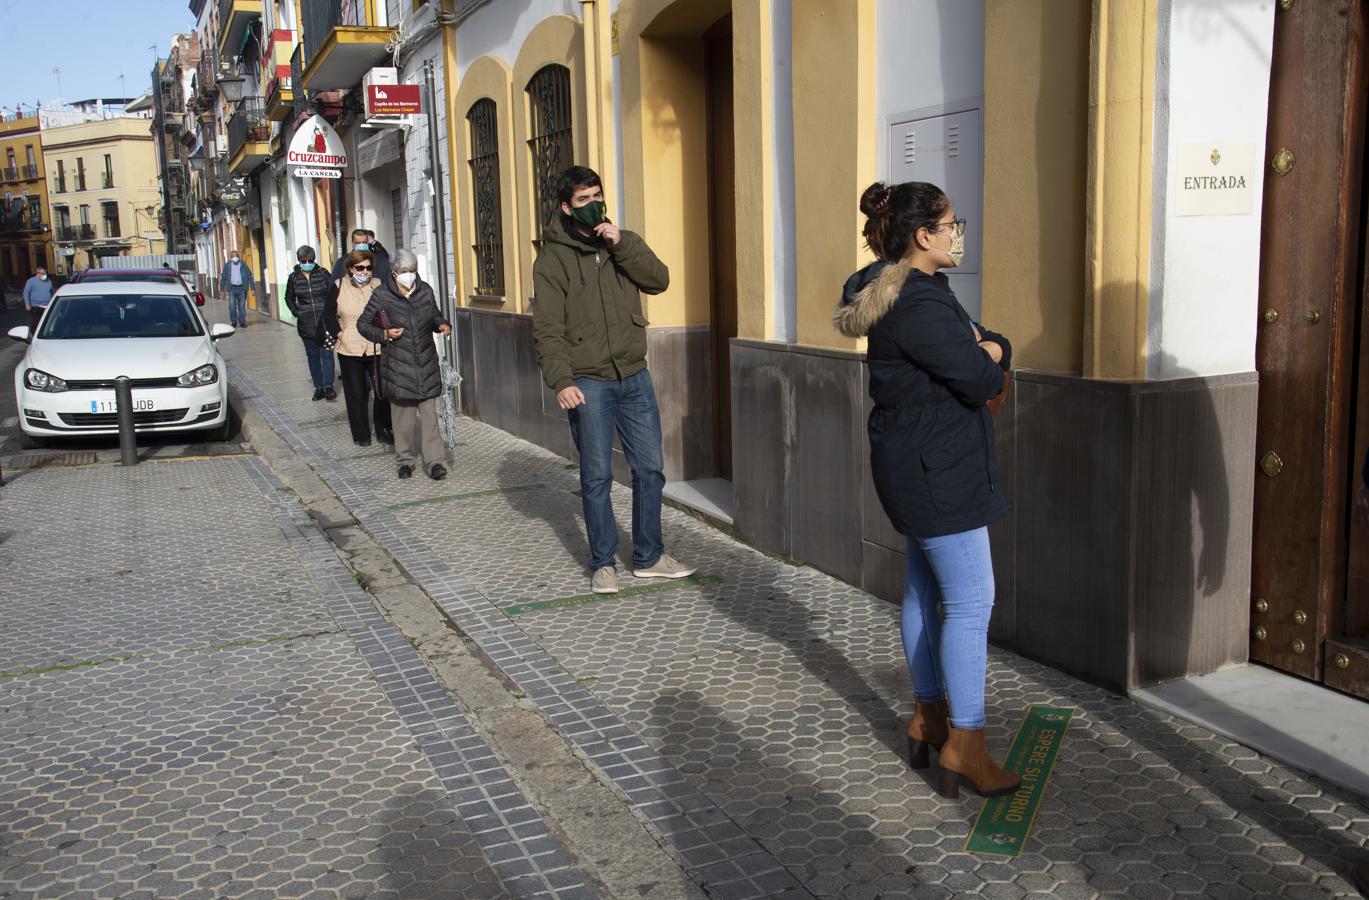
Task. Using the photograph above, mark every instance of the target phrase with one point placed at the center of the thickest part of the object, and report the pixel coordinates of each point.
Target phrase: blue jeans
(948, 658)
(628, 407)
(237, 306)
(320, 363)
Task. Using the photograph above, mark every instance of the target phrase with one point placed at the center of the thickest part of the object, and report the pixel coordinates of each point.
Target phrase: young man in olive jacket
(591, 338)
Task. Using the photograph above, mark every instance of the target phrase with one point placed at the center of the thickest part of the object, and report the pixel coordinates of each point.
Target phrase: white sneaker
(665, 567)
(604, 581)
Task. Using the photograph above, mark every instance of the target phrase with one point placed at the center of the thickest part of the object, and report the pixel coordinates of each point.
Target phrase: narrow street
(269, 668)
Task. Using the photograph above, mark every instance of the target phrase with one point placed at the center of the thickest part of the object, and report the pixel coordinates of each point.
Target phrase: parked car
(163, 275)
(92, 333)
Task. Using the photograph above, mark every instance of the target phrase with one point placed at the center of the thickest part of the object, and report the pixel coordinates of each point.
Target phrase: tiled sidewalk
(753, 718)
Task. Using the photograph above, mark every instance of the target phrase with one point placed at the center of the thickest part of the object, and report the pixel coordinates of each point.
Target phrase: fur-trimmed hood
(868, 295)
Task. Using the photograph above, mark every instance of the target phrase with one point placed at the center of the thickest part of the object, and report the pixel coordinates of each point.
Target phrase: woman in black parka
(409, 374)
(932, 372)
(308, 292)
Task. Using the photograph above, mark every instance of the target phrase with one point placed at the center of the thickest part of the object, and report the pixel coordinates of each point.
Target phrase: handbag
(378, 379)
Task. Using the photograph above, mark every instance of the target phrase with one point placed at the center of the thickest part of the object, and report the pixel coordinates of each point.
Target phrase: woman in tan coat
(356, 355)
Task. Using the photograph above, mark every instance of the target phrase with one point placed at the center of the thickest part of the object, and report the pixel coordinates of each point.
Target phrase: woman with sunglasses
(356, 355)
(932, 373)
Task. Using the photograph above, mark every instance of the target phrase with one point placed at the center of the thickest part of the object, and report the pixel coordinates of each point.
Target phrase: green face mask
(591, 214)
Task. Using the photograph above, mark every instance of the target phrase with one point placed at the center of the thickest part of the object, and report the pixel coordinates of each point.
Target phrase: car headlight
(42, 381)
(207, 374)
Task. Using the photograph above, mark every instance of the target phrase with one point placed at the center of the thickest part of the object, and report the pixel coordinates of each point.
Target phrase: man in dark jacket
(591, 338)
(235, 280)
(308, 291)
(403, 314)
(362, 239)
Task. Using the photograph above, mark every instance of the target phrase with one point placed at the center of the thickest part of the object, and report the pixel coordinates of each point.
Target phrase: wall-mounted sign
(316, 146)
(393, 99)
(310, 172)
(1214, 180)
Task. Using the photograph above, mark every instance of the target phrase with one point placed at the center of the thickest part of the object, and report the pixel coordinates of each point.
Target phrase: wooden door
(722, 232)
(1309, 323)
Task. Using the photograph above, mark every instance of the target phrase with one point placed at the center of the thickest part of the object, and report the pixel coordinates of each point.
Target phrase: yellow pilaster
(1121, 110)
(834, 155)
(754, 142)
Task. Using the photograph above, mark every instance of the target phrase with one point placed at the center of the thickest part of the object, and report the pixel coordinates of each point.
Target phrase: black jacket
(409, 366)
(307, 295)
(931, 435)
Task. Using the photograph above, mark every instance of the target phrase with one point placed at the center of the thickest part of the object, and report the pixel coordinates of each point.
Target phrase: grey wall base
(1126, 560)
(502, 385)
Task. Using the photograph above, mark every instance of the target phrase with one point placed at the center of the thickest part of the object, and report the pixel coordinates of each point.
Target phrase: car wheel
(31, 442)
(220, 434)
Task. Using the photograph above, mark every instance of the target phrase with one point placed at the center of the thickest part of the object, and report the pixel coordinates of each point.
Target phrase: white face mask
(236, 260)
(406, 279)
(361, 277)
(43, 276)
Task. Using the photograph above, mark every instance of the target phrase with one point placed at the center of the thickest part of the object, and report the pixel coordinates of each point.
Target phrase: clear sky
(91, 41)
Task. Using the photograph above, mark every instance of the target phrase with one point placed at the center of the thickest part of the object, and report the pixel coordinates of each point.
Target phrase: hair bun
(875, 200)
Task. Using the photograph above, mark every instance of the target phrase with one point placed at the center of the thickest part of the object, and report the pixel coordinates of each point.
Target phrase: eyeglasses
(361, 268)
(957, 227)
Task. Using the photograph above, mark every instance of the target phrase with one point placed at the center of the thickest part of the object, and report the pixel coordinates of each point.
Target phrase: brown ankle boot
(927, 729)
(966, 758)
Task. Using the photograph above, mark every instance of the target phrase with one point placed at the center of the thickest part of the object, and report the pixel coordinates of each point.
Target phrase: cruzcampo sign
(1005, 822)
(316, 151)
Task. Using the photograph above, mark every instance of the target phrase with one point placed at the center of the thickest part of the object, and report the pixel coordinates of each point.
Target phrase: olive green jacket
(587, 306)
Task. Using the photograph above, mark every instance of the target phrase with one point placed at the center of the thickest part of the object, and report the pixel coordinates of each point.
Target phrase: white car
(92, 334)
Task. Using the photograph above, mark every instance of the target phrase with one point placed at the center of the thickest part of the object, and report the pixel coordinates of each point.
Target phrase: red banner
(393, 99)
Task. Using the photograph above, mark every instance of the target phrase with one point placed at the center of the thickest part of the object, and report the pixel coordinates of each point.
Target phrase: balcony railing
(87, 232)
(66, 233)
(206, 75)
(30, 172)
(322, 16)
(59, 186)
(107, 181)
(112, 228)
(248, 124)
(10, 173)
(297, 79)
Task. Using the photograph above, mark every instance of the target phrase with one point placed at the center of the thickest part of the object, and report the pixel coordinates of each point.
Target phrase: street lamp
(232, 86)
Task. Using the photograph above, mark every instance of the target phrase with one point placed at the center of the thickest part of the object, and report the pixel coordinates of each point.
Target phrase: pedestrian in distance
(37, 296)
(403, 316)
(357, 356)
(235, 279)
(591, 339)
(365, 240)
(308, 292)
(932, 373)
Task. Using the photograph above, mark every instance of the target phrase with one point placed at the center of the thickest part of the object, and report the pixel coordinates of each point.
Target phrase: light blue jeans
(948, 648)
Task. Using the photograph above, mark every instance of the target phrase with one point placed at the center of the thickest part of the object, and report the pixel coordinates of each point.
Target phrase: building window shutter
(489, 244)
(553, 149)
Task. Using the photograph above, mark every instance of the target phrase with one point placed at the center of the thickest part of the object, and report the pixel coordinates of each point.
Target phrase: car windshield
(95, 277)
(119, 316)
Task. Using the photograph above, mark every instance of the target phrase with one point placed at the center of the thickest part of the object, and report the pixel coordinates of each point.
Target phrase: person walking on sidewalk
(403, 315)
(591, 338)
(932, 372)
(37, 296)
(362, 239)
(236, 278)
(308, 291)
(355, 354)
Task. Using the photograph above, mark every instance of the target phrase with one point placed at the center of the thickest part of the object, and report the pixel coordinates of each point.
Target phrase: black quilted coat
(409, 366)
(306, 296)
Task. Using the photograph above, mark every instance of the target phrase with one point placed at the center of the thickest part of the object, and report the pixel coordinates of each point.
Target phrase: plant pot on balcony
(258, 134)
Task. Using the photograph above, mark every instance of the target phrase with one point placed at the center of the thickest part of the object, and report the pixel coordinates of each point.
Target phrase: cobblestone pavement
(199, 700)
(753, 719)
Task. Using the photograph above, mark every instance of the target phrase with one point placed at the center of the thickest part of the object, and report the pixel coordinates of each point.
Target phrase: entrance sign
(317, 146)
(393, 99)
(1214, 180)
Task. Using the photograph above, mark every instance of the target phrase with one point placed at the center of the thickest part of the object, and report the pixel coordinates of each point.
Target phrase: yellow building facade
(24, 222)
(104, 193)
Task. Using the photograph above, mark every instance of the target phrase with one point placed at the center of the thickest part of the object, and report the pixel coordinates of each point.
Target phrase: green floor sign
(1005, 822)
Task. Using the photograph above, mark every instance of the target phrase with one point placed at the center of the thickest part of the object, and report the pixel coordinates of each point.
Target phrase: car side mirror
(21, 333)
(218, 330)
(199, 298)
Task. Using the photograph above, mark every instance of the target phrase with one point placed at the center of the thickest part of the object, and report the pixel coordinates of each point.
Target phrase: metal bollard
(128, 439)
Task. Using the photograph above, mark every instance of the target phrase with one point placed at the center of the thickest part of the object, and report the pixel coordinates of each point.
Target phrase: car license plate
(112, 406)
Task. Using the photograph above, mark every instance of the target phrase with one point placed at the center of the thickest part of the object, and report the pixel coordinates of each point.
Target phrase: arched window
(553, 149)
(489, 244)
